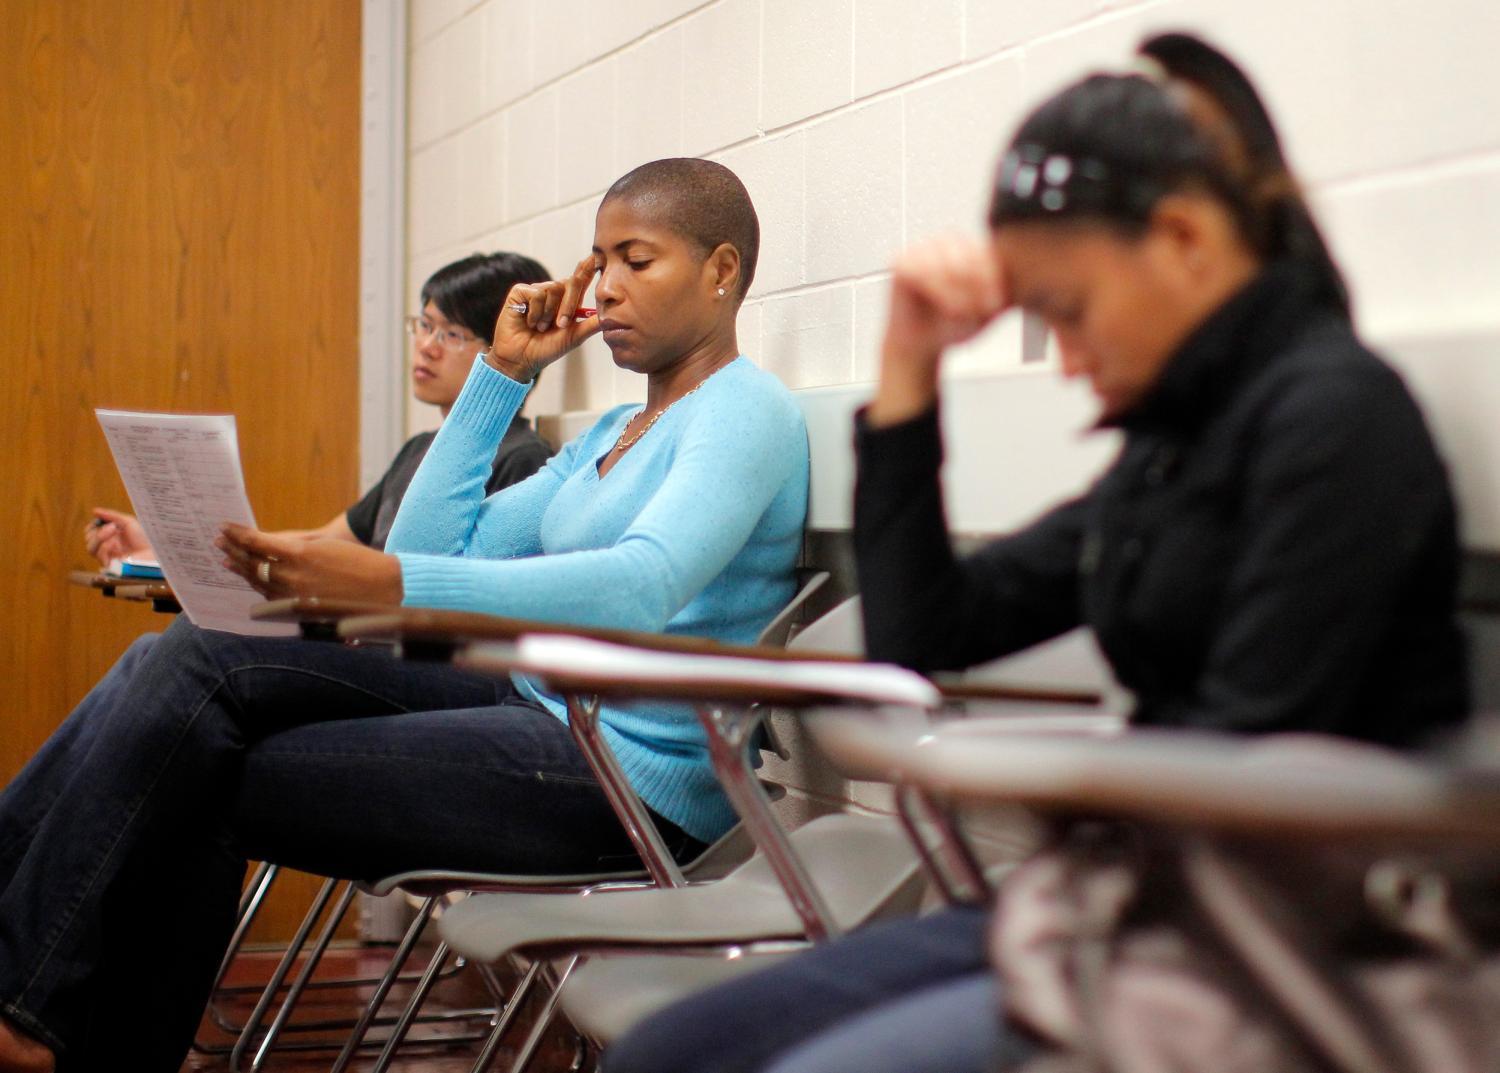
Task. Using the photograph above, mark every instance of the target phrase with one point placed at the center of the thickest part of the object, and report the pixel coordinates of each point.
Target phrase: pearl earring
(721, 292)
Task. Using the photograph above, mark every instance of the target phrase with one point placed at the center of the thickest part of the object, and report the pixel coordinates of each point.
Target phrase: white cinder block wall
(859, 125)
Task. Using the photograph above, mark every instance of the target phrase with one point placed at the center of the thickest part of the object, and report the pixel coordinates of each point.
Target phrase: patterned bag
(1127, 951)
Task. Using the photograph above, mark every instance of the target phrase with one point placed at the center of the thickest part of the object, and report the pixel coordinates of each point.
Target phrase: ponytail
(1110, 147)
(1276, 217)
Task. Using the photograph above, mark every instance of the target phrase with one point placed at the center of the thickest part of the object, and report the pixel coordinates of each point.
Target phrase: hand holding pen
(540, 322)
(112, 534)
(581, 313)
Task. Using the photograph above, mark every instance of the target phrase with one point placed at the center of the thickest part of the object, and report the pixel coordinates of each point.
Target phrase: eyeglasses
(420, 328)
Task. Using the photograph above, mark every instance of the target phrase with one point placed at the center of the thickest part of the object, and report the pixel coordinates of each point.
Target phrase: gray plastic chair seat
(607, 996)
(988, 721)
(856, 862)
(432, 884)
(718, 859)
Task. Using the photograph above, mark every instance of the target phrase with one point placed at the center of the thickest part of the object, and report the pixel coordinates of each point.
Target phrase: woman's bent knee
(138, 650)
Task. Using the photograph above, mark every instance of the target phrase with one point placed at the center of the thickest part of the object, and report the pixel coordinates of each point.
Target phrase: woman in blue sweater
(683, 516)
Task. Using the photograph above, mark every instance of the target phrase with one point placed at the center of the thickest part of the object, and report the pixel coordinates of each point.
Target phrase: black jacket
(1274, 548)
(520, 454)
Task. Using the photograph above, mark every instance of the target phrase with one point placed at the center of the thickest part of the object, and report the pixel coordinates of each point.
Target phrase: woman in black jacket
(1273, 549)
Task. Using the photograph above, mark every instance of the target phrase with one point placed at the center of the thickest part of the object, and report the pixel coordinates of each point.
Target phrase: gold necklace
(622, 444)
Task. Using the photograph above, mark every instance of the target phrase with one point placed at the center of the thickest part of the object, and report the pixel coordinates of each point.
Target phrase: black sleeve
(361, 516)
(924, 607)
(364, 514)
(515, 461)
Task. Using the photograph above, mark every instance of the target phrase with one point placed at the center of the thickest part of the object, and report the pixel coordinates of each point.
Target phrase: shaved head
(699, 200)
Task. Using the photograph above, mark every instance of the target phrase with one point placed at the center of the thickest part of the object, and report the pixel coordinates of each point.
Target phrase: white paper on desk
(182, 472)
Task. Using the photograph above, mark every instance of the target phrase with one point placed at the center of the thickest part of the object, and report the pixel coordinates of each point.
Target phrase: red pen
(581, 313)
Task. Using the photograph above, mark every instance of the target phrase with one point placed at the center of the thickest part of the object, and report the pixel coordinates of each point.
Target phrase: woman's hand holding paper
(281, 566)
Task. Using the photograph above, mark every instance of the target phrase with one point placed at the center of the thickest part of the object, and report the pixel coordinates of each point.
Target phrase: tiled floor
(461, 991)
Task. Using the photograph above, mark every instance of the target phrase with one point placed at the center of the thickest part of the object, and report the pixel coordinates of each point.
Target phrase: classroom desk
(134, 589)
(439, 635)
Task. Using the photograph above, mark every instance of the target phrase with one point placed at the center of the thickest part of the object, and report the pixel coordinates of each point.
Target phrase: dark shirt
(1274, 548)
(521, 453)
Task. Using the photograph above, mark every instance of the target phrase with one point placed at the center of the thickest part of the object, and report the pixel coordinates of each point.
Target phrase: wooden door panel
(179, 197)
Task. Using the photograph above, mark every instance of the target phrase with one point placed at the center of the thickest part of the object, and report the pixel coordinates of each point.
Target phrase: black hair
(700, 200)
(1109, 147)
(469, 292)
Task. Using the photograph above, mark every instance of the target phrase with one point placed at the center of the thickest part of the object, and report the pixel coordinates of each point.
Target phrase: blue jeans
(123, 842)
(948, 1027)
(923, 982)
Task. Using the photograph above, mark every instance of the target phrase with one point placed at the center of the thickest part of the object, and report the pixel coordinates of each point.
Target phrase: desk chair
(823, 892)
(1218, 810)
(317, 619)
(831, 874)
(432, 635)
(131, 589)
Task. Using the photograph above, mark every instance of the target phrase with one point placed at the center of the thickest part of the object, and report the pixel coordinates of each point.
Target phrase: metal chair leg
(543, 1020)
(730, 731)
(250, 903)
(339, 1025)
(491, 982)
(309, 966)
(254, 895)
(582, 1047)
(413, 1007)
(583, 723)
(1285, 957)
(398, 961)
(951, 864)
(506, 1018)
(254, 890)
(273, 986)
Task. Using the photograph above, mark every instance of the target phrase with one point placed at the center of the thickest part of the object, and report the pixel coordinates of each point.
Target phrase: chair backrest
(836, 630)
(779, 631)
(1071, 660)
(840, 630)
(801, 765)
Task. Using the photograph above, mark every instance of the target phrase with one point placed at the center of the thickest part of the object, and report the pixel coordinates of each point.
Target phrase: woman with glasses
(460, 303)
(123, 842)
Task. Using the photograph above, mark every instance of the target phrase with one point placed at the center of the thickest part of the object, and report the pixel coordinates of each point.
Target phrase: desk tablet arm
(731, 688)
(94, 579)
(1219, 805)
(1291, 786)
(423, 633)
(316, 617)
(729, 693)
(158, 593)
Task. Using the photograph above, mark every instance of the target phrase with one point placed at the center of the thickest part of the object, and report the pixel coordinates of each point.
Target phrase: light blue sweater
(694, 531)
